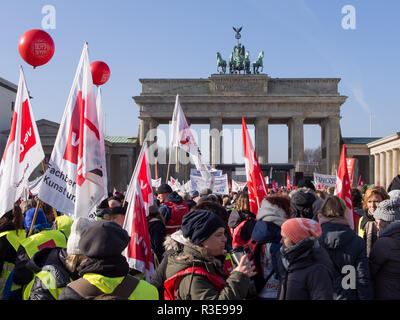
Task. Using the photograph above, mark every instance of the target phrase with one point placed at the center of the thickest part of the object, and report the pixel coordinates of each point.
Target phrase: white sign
(324, 179)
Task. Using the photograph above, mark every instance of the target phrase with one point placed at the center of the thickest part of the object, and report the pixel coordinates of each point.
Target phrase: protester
(304, 203)
(241, 221)
(25, 205)
(274, 211)
(305, 268)
(157, 234)
(42, 237)
(385, 254)
(345, 249)
(357, 198)
(105, 269)
(55, 267)
(114, 202)
(188, 198)
(116, 214)
(367, 225)
(63, 223)
(394, 184)
(12, 234)
(172, 208)
(196, 272)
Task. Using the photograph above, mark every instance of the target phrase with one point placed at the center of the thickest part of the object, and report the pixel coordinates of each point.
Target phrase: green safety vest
(64, 224)
(44, 239)
(15, 240)
(49, 282)
(143, 291)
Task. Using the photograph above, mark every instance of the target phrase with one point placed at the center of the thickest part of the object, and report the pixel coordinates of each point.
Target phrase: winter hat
(40, 220)
(301, 204)
(271, 213)
(387, 210)
(164, 188)
(77, 228)
(199, 225)
(395, 196)
(118, 210)
(297, 229)
(103, 239)
(306, 183)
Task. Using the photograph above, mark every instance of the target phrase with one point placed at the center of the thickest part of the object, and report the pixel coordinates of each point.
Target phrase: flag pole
(39, 202)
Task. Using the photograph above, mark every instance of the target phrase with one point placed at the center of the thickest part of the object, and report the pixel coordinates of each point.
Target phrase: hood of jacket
(336, 235)
(237, 217)
(271, 213)
(193, 256)
(266, 232)
(391, 231)
(174, 197)
(47, 256)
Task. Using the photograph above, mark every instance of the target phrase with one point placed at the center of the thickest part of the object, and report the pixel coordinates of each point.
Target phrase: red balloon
(100, 72)
(36, 47)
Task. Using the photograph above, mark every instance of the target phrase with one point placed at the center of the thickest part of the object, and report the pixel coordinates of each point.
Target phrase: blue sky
(179, 39)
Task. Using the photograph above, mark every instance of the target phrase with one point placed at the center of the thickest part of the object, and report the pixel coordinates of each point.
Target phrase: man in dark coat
(395, 184)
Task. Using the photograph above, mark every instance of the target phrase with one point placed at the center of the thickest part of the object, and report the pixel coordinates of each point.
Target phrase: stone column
(143, 129)
(333, 144)
(395, 163)
(371, 170)
(382, 169)
(377, 171)
(389, 168)
(296, 142)
(261, 143)
(216, 141)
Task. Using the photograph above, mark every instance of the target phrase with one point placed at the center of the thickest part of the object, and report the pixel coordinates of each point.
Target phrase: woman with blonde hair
(367, 228)
(345, 249)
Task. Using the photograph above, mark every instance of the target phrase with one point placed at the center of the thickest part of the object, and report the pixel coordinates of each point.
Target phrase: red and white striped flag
(23, 152)
(75, 177)
(256, 185)
(343, 189)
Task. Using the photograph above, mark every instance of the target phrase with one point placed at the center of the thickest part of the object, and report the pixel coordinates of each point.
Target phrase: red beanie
(297, 229)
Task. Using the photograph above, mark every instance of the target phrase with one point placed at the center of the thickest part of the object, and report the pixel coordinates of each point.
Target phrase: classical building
(385, 152)
(226, 98)
(8, 92)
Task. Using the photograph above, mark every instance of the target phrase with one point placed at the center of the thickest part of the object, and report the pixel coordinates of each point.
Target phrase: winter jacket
(304, 203)
(157, 237)
(53, 261)
(235, 219)
(267, 233)
(368, 231)
(199, 287)
(385, 263)
(306, 272)
(172, 210)
(345, 248)
(395, 184)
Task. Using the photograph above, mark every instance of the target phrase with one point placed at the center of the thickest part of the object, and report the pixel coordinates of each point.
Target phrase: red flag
(343, 190)
(255, 180)
(23, 152)
(138, 253)
(288, 182)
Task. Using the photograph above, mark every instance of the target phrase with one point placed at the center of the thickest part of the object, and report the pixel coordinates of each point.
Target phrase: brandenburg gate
(226, 98)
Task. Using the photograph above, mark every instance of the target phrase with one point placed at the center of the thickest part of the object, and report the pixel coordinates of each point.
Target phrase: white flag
(73, 182)
(99, 105)
(182, 137)
(23, 152)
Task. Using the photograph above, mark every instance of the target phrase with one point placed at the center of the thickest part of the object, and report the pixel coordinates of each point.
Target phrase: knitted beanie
(77, 228)
(387, 210)
(199, 225)
(395, 196)
(297, 229)
(103, 239)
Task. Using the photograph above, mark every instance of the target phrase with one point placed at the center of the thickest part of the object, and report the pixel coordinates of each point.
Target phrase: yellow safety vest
(49, 282)
(15, 240)
(143, 291)
(64, 224)
(44, 239)
(360, 231)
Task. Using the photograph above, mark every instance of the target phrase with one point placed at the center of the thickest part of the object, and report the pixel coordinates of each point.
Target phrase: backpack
(90, 292)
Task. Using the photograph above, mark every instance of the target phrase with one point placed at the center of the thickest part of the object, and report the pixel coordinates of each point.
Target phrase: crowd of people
(300, 245)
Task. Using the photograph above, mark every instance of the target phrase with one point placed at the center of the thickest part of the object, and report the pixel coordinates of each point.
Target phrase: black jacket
(309, 275)
(395, 184)
(157, 237)
(53, 260)
(345, 248)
